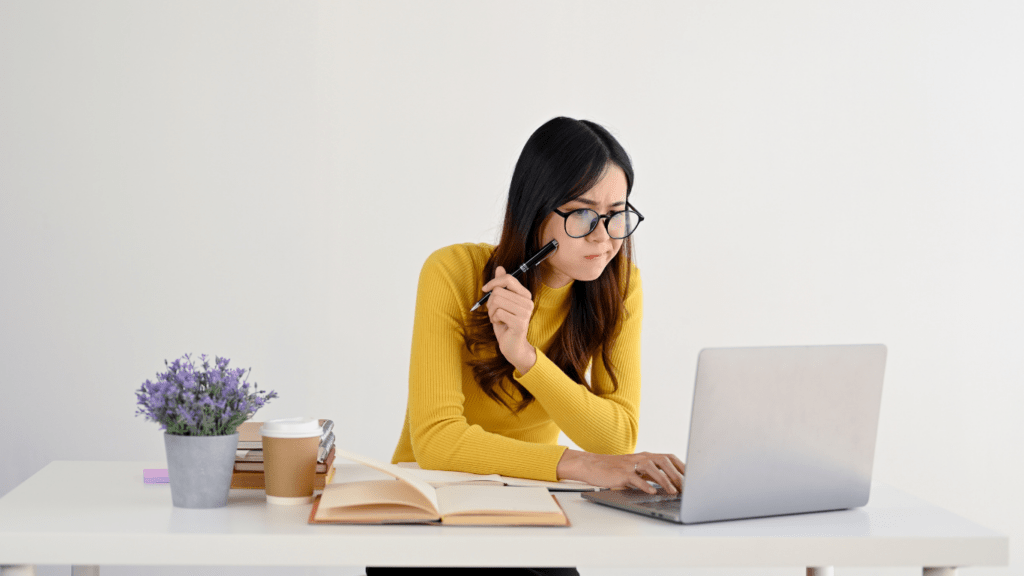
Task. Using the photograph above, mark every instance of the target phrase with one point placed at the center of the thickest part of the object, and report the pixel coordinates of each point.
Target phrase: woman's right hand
(625, 470)
(510, 308)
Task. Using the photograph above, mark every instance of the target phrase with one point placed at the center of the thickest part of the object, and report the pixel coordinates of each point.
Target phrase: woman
(490, 390)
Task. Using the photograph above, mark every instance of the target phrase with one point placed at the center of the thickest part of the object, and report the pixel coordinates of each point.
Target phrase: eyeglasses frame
(600, 217)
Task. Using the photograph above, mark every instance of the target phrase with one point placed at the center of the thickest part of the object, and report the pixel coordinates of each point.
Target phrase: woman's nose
(599, 233)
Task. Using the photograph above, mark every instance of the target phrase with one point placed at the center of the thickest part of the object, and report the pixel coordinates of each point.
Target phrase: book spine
(321, 467)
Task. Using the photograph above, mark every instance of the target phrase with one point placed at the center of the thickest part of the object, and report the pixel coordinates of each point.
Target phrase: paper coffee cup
(289, 459)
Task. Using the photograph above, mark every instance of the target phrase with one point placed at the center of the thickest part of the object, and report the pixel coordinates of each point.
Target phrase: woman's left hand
(509, 309)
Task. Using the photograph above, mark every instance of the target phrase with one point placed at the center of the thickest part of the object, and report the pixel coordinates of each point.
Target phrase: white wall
(262, 180)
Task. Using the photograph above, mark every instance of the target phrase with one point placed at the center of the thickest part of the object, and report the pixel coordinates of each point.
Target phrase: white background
(263, 180)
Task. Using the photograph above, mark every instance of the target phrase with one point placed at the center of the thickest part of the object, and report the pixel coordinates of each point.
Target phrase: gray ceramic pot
(200, 468)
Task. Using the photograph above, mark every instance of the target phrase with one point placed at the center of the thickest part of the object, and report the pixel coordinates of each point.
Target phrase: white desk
(101, 513)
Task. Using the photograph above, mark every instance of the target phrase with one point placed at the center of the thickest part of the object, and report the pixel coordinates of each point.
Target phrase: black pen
(537, 258)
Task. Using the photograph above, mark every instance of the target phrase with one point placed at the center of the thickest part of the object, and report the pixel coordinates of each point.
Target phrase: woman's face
(584, 258)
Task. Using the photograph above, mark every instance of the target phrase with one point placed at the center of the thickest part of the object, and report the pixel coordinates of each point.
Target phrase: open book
(408, 500)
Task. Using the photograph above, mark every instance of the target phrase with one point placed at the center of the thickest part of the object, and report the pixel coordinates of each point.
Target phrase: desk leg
(85, 571)
(939, 571)
(24, 570)
(821, 571)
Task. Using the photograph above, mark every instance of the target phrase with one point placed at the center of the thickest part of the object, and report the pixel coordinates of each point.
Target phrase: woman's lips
(592, 257)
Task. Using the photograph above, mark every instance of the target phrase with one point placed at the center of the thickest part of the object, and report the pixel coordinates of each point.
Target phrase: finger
(499, 272)
(504, 318)
(507, 281)
(637, 481)
(498, 316)
(495, 321)
(678, 463)
(502, 298)
(667, 466)
(494, 304)
(648, 471)
(661, 477)
(515, 286)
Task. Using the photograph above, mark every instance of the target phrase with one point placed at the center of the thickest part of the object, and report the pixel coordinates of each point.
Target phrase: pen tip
(475, 306)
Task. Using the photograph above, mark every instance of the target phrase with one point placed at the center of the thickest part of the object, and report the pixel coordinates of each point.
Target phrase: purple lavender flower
(210, 401)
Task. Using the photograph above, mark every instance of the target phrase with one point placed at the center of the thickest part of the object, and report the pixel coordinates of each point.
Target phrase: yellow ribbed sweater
(450, 424)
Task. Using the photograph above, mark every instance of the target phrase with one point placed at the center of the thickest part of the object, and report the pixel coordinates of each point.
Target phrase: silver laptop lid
(782, 430)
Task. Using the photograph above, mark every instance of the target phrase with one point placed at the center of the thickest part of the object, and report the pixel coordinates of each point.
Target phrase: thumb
(499, 271)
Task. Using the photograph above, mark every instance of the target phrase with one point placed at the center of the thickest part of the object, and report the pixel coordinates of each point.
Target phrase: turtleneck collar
(549, 298)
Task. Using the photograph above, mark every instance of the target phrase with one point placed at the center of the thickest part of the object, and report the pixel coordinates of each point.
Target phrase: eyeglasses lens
(580, 223)
(620, 225)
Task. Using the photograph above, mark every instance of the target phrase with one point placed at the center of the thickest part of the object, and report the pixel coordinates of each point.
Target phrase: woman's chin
(589, 275)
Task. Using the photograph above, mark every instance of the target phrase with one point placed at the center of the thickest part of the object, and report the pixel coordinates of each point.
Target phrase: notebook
(773, 430)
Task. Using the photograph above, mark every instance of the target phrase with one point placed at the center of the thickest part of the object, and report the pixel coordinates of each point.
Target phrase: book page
(560, 486)
(249, 455)
(374, 501)
(438, 478)
(441, 477)
(495, 501)
(391, 470)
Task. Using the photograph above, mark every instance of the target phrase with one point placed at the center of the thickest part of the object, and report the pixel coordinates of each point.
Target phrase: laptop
(774, 430)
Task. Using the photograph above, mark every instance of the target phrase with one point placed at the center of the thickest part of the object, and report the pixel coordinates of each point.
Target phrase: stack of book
(249, 457)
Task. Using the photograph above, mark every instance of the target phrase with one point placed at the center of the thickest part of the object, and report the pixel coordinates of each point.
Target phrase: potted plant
(199, 410)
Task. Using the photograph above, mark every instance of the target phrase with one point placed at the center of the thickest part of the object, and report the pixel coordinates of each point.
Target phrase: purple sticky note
(155, 476)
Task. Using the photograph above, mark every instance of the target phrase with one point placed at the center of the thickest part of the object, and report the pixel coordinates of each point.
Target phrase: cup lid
(291, 428)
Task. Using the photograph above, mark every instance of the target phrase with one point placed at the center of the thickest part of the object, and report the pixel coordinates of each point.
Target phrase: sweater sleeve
(440, 435)
(602, 420)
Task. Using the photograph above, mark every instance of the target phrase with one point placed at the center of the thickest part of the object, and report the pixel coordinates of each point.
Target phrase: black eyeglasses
(619, 225)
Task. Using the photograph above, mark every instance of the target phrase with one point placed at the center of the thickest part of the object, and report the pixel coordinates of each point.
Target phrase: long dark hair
(561, 161)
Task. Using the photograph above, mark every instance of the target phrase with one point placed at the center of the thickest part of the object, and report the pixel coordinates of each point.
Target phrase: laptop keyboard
(663, 500)
(667, 503)
(660, 505)
(660, 501)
